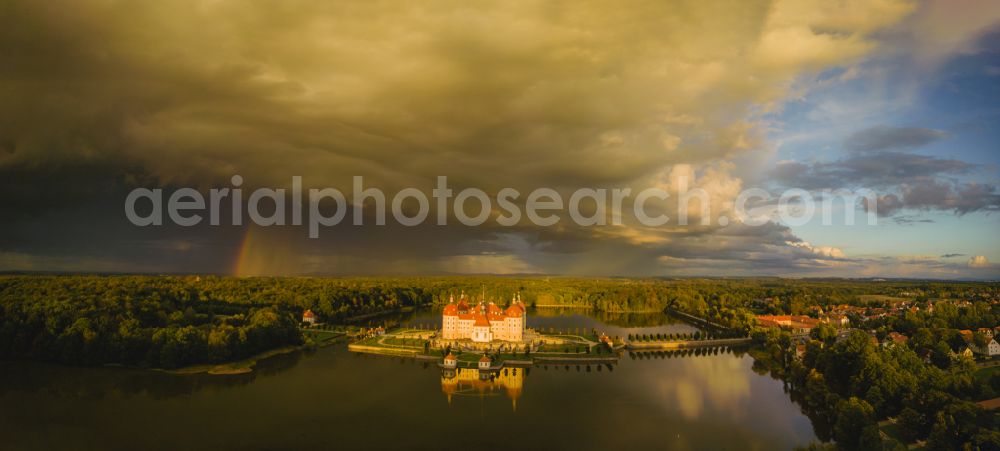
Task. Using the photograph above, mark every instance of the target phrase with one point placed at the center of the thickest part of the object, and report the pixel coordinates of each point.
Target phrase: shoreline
(243, 366)
(246, 366)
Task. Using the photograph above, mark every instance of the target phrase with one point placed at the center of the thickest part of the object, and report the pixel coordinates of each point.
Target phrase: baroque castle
(483, 322)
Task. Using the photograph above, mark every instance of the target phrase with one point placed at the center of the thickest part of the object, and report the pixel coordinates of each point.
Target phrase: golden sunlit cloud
(113, 95)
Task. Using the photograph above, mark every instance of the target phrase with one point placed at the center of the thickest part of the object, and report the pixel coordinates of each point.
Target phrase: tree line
(170, 321)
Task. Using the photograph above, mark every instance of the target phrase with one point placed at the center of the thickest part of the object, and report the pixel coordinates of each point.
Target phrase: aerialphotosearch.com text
(652, 206)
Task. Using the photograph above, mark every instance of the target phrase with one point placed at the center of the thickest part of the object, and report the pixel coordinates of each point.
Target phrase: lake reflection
(332, 398)
(471, 382)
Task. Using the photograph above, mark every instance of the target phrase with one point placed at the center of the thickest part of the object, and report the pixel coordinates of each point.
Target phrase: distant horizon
(489, 275)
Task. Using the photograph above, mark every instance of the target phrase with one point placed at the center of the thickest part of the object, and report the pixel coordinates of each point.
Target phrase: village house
(309, 317)
(795, 323)
(894, 339)
(990, 350)
(838, 320)
(964, 352)
(876, 313)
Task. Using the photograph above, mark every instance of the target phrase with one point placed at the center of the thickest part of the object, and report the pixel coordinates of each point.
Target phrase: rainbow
(263, 253)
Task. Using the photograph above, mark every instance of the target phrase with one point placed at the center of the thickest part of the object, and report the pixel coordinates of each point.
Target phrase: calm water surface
(331, 398)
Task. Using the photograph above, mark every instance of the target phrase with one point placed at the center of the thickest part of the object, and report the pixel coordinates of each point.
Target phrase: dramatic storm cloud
(103, 96)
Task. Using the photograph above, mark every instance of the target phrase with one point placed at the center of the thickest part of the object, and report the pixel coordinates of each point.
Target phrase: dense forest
(169, 322)
(148, 321)
(847, 386)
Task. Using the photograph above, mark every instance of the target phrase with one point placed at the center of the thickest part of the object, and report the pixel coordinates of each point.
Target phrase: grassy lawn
(573, 337)
(469, 357)
(407, 330)
(570, 349)
(332, 328)
(408, 342)
(370, 341)
(322, 336)
(571, 332)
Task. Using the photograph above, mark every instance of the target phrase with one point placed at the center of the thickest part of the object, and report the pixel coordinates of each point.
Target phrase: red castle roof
(308, 314)
(483, 314)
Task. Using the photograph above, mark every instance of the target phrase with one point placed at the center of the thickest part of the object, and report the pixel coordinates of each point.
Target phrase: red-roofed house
(896, 338)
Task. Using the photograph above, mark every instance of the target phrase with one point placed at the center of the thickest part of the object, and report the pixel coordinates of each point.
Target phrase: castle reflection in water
(472, 382)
